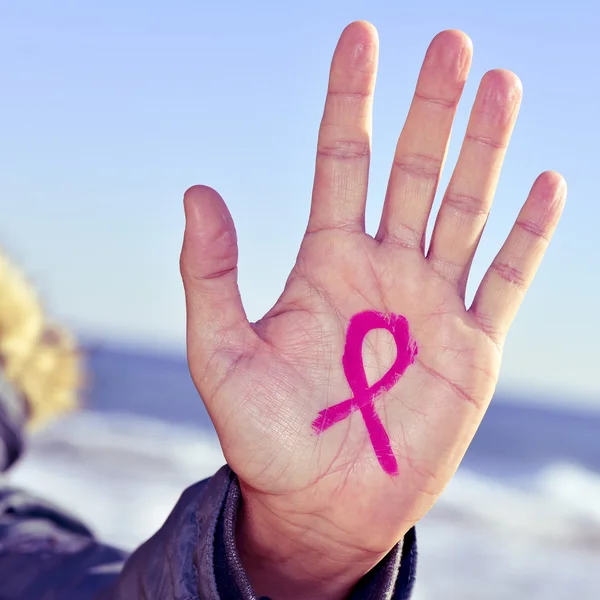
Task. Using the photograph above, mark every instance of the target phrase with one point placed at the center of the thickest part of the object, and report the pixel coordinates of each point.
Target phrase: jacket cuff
(392, 578)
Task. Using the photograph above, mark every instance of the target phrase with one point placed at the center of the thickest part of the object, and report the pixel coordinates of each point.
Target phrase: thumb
(218, 332)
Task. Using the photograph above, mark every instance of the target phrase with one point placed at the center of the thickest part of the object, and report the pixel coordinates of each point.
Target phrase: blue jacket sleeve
(194, 554)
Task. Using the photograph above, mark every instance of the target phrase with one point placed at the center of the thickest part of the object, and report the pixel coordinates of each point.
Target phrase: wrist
(292, 556)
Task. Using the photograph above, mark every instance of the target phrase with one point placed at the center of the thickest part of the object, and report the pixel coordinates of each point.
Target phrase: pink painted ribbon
(363, 394)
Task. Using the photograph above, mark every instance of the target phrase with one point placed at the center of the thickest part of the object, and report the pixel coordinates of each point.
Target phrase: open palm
(264, 384)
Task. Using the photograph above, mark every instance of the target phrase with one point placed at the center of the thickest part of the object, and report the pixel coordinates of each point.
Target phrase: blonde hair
(39, 358)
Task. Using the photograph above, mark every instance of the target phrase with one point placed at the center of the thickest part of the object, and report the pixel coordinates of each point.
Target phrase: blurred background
(110, 110)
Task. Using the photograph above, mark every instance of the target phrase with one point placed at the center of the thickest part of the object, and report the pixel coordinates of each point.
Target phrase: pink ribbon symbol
(363, 394)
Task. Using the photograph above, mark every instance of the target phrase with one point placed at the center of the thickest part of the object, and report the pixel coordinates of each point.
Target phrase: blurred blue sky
(110, 110)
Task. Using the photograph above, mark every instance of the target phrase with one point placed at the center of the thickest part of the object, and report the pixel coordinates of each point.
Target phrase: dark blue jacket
(47, 555)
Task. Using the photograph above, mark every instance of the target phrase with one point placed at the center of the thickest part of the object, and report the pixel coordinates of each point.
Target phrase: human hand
(324, 502)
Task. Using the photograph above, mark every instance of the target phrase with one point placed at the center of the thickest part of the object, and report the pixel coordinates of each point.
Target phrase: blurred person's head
(37, 357)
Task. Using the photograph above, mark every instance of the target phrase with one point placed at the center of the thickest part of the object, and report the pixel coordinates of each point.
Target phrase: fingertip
(504, 80)
(550, 187)
(453, 39)
(553, 178)
(198, 194)
(360, 28)
(358, 48)
(498, 99)
(203, 203)
(450, 49)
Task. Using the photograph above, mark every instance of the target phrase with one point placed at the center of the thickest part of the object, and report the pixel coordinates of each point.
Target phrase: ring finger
(468, 199)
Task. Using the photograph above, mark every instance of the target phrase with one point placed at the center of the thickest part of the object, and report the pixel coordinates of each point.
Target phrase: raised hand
(329, 488)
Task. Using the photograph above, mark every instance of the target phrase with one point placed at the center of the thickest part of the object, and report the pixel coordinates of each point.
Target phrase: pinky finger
(504, 285)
